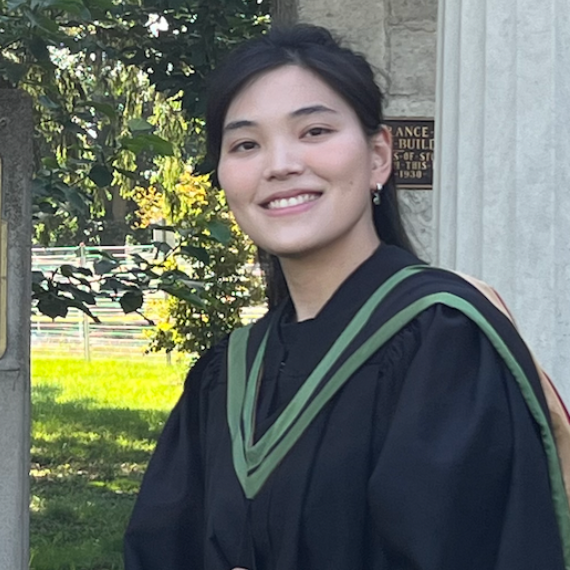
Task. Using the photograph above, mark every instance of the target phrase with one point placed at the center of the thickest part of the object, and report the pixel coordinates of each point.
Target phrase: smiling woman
(297, 169)
(383, 415)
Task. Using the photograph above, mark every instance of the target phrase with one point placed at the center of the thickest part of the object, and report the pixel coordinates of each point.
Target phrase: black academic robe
(426, 459)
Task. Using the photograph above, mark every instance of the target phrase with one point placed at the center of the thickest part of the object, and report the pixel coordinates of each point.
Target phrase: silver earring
(376, 197)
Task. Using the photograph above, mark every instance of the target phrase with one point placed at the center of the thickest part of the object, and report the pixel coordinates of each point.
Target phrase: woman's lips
(291, 201)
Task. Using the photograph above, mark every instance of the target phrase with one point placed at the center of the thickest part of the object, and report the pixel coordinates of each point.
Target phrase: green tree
(212, 253)
(118, 92)
(98, 71)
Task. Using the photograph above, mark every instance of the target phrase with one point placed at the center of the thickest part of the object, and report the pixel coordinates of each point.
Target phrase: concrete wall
(15, 215)
(399, 39)
(503, 152)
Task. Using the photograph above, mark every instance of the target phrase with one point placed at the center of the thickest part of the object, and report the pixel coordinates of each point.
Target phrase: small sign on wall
(413, 144)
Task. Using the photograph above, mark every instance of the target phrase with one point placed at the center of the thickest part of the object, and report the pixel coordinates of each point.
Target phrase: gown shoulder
(464, 458)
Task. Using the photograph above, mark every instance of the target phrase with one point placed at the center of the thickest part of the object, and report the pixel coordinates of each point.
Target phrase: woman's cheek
(236, 180)
(238, 210)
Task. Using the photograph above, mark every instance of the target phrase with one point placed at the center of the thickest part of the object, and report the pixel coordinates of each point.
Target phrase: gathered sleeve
(462, 481)
(166, 529)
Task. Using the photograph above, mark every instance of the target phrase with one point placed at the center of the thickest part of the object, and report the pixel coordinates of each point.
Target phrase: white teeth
(293, 201)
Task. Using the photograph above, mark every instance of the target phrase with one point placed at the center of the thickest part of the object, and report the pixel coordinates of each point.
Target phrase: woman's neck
(313, 279)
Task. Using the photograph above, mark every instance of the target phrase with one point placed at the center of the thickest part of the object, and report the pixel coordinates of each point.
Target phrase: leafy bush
(216, 256)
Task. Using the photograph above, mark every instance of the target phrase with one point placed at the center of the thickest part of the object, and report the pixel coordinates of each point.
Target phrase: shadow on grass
(87, 465)
(78, 430)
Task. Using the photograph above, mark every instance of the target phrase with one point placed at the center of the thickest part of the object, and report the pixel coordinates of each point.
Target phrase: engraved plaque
(412, 152)
(3, 272)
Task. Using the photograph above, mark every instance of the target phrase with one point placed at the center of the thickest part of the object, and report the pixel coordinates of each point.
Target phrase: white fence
(118, 335)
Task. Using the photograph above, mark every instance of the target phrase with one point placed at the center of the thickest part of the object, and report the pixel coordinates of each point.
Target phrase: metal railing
(118, 334)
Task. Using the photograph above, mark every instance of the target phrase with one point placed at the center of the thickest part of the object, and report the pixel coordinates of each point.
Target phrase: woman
(371, 420)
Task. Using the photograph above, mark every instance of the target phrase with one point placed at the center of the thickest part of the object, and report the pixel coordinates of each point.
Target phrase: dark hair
(346, 72)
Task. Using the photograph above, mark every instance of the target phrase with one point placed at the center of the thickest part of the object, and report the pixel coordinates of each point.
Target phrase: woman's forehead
(284, 91)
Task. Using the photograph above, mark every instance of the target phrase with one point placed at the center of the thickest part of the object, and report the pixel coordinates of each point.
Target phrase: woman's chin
(289, 252)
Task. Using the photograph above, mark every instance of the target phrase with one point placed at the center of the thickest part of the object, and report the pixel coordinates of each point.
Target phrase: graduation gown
(427, 458)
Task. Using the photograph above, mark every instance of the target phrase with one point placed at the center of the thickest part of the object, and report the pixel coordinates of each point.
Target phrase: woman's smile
(290, 203)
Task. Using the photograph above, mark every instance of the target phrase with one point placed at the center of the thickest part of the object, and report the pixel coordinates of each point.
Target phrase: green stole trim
(255, 462)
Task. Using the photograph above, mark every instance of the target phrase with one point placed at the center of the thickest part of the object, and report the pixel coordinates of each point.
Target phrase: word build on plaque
(412, 152)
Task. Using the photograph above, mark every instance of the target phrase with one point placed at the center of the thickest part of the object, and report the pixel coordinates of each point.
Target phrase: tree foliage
(118, 90)
(98, 70)
(222, 264)
(203, 262)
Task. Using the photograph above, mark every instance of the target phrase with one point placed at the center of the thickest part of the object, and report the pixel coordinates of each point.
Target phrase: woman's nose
(283, 160)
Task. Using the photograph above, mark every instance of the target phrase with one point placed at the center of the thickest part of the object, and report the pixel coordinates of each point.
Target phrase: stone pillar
(284, 12)
(398, 37)
(15, 218)
(502, 210)
(411, 28)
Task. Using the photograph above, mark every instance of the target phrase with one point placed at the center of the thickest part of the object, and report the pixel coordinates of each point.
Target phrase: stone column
(411, 27)
(502, 209)
(15, 217)
(284, 12)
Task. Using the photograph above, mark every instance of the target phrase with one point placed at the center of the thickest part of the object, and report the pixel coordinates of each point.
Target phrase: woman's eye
(243, 146)
(317, 132)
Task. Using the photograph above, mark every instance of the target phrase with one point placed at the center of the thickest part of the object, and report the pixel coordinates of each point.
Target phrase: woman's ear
(381, 157)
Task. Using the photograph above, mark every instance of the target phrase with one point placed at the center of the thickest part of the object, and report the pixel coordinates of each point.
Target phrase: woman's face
(297, 168)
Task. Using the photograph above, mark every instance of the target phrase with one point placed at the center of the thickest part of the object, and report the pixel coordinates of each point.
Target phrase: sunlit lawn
(94, 427)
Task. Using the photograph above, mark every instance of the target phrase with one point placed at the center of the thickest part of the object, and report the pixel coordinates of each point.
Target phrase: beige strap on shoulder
(558, 414)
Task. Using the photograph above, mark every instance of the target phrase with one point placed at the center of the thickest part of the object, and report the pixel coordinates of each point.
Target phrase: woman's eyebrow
(239, 125)
(312, 109)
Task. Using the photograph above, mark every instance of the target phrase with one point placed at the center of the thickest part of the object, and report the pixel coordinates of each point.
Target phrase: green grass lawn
(94, 427)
